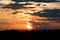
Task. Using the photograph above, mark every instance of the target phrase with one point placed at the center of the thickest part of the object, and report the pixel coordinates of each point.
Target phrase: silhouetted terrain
(38, 0)
(25, 33)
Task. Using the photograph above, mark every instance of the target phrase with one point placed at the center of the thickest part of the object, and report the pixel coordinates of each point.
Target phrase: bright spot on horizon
(29, 27)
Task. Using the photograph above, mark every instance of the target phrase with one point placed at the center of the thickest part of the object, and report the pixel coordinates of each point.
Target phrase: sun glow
(29, 27)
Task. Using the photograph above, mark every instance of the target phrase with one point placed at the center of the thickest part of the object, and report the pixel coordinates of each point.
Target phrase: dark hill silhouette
(38, 0)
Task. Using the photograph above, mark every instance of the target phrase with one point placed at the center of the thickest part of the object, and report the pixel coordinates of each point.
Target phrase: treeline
(38, 0)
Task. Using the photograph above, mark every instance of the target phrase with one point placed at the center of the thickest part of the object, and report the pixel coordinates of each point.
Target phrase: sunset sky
(29, 15)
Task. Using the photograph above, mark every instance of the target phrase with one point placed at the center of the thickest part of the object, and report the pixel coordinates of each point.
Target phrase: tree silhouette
(37, 0)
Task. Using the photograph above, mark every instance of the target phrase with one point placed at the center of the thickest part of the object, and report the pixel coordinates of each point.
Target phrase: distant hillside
(36, 0)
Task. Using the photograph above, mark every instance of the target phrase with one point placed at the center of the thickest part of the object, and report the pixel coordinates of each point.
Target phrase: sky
(17, 23)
